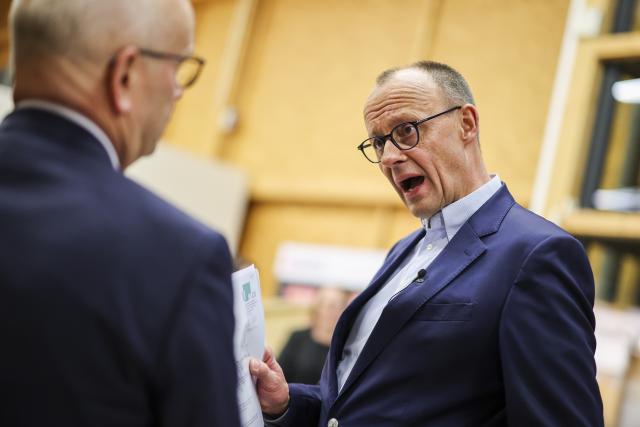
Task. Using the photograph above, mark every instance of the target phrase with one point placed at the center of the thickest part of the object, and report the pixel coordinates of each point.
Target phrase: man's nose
(391, 154)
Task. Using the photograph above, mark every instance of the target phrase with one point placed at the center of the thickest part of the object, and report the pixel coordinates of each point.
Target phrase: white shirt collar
(78, 119)
(453, 216)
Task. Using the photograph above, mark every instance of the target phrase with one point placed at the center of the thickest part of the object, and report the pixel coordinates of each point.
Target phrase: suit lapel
(343, 327)
(465, 247)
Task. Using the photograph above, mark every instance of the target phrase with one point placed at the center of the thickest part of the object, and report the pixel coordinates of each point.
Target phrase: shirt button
(332, 423)
(429, 246)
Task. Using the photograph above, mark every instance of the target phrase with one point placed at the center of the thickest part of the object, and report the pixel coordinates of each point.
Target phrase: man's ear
(470, 122)
(121, 78)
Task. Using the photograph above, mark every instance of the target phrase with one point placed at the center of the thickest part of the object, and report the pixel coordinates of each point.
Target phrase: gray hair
(82, 29)
(454, 86)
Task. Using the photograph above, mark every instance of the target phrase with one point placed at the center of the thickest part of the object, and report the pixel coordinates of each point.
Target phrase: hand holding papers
(248, 340)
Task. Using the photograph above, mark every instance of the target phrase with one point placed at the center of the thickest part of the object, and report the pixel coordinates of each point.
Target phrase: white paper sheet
(248, 340)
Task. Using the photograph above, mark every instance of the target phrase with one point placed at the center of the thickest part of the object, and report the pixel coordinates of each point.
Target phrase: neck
(476, 175)
(78, 85)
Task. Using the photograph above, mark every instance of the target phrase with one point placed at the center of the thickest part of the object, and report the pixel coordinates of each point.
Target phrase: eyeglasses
(404, 136)
(189, 67)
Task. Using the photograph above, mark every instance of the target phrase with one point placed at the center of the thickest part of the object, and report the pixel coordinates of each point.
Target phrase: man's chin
(149, 148)
(144, 151)
(417, 207)
(415, 211)
(419, 211)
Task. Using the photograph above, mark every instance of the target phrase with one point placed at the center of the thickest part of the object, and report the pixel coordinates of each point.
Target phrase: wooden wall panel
(269, 225)
(194, 123)
(508, 51)
(310, 66)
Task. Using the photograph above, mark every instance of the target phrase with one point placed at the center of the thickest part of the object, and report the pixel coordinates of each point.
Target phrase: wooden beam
(231, 64)
(590, 223)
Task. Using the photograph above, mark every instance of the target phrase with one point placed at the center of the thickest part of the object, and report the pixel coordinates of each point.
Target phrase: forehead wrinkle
(390, 110)
(392, 104)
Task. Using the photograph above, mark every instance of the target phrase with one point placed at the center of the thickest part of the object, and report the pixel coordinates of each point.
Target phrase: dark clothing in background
(302, 358)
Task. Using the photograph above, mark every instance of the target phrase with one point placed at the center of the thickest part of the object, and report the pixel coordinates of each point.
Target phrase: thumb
(267, 378)
(259, 369)
(254, 366)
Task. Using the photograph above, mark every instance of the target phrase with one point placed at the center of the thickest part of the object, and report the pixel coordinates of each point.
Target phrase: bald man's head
(114, 61)
(89, 30)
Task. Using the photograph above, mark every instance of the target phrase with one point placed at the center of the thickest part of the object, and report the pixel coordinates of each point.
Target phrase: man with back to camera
(484, 317)
(115, 307)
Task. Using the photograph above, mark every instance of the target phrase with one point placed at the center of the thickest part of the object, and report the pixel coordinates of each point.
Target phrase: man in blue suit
(115, 307)
(483, 317)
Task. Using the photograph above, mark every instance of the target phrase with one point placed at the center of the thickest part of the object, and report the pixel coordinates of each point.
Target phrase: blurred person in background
(482, 317)
(115, 307)
(304, 353)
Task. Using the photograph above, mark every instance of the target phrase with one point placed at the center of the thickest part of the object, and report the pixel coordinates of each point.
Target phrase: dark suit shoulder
(149, 213)
(105, 286)
(531, 226)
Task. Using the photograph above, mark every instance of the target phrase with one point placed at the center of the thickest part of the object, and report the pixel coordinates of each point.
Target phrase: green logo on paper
(246, 291)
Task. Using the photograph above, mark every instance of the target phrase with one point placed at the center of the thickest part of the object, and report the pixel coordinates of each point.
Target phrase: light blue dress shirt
(440, 229)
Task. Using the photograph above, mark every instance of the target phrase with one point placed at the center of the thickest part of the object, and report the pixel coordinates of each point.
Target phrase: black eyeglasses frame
(389, 136)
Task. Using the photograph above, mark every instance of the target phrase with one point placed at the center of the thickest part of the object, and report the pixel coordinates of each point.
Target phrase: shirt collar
(453, 216)
(77, 118)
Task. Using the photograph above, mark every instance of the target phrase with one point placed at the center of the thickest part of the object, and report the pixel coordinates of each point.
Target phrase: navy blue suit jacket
(499, 333)
(115, 307)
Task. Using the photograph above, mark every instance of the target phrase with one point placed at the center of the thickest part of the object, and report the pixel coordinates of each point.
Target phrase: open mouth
(411, 183)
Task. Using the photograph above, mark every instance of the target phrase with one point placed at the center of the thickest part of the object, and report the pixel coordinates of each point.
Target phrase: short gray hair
(452, 83)
(88, 29)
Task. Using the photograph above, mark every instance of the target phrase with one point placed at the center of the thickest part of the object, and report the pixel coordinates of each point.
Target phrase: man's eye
(378, 144)
(405, 130)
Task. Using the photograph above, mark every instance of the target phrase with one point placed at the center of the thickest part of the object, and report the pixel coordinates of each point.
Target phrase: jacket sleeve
(304, 407)
(197, 364)
(547, 340)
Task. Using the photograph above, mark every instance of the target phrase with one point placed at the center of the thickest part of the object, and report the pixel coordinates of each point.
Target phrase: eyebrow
(378, 135)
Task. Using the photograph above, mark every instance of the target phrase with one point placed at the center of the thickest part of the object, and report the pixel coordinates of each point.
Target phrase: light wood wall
(302, 75)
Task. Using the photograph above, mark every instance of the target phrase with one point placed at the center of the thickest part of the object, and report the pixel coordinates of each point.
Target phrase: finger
(271, 361)
(268, 353)
(262, 372)
(255, 368)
